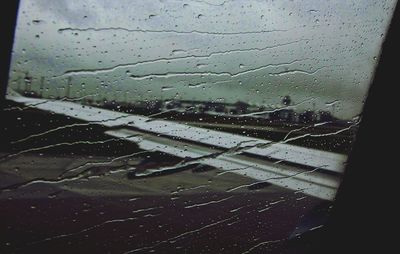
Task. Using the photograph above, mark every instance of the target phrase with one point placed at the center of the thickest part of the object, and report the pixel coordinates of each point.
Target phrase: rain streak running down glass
(171, 126)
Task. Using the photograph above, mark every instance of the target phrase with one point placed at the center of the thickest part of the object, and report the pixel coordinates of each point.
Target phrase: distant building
(241, 107)
(151, 107)
(307, 117)
(325, 116)
(282, 115)
(173, 104)
(218, 107)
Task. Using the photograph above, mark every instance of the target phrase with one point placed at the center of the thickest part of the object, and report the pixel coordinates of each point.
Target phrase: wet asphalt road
(185, 212)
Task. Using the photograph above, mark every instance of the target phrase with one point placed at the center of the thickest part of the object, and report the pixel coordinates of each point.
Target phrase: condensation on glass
(181, 126)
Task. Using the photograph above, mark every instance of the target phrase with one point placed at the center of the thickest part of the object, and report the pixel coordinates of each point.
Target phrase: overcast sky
(318, 52)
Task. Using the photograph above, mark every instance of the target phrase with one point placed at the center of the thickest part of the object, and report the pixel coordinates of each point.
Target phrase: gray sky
(255, 51)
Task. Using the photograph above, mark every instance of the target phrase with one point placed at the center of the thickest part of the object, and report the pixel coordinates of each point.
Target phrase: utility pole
(28, 82)
(115, 96)
(68, 90)
(41, 86)
(19, 79)
(126, 97)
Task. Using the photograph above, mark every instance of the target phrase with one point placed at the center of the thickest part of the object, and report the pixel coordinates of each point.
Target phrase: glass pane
(181, 126)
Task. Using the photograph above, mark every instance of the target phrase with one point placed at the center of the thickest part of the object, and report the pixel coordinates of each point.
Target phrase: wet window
(181, 126)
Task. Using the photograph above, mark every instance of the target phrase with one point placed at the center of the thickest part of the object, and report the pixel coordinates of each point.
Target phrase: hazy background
(318, 52)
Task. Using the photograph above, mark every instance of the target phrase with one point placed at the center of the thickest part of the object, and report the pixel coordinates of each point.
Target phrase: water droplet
(200, 65)
(177, 51)
(166, 88)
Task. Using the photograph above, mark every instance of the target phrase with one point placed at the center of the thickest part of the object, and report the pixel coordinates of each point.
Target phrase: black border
(8, 19)
(363, 213)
